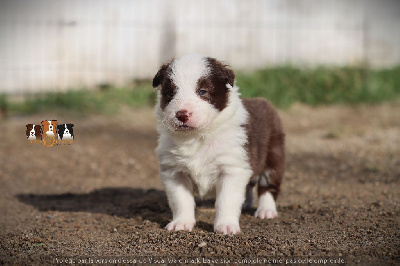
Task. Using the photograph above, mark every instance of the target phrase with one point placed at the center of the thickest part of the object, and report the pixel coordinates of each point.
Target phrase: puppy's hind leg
(270, 181)
(266, 203)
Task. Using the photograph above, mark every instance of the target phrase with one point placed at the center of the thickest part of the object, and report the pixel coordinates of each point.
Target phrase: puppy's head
(33, 132)
(49, 127)
(194, 90)
(65, 131)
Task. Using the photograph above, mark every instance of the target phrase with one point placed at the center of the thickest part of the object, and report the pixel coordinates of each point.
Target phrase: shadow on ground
(150, 204)
(123, 202)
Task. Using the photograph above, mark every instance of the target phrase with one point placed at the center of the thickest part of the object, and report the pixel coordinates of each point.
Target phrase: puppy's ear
(158, 78)
(230, 76)
(27, 130)
(221, 70)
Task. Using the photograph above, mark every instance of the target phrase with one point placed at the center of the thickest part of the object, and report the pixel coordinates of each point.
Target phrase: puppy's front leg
(230, 198)
(181, 201)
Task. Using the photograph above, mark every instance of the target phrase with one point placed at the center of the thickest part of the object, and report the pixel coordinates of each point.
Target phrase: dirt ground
(101, 200)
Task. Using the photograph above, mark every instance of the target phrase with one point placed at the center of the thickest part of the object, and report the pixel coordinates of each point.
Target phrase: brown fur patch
(217, 93)
(220, 75)
(38, 132)
(168, 88)
(159, 77)
(266, 145)
(221, 71)
(168, 91)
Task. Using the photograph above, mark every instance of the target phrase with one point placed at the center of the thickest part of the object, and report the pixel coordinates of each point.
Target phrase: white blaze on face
(32, 135)
(66, 131)
(185, 73)
(50, 131)
(32, 132)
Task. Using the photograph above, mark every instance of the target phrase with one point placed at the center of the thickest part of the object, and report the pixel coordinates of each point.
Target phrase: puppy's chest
(201, 161)
(199, 158)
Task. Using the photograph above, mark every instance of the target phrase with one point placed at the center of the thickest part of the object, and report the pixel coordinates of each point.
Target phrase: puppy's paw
(227, 229)
(266, 214)
(178, 225)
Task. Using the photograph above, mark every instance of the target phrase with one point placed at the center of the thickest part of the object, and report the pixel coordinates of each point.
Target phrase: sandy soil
(101, 198)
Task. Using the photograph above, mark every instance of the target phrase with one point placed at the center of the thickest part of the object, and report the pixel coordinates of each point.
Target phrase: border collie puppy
(65, 131)
(33, 132)
(211, 140)
(49, 128)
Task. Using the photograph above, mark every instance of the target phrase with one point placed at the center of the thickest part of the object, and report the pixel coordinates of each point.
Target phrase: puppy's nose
(182, 115)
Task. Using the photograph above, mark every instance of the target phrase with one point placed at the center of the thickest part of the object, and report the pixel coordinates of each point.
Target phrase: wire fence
(50, 45)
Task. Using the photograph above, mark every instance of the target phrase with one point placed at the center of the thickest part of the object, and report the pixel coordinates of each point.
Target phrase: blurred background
(310, 51)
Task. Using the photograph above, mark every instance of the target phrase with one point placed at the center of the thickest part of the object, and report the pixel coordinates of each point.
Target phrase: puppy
(210, 140)
(65, 131)
(33, 132)
(50, 127)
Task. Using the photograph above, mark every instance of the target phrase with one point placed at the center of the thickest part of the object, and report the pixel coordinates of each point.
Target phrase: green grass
(107, 101)
(281, 85)
(320, 86)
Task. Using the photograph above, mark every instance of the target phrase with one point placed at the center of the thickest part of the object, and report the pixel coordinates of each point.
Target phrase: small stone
(202, 244)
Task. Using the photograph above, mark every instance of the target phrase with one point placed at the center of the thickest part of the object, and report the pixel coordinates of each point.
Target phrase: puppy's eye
(202, 92)
(170, 93)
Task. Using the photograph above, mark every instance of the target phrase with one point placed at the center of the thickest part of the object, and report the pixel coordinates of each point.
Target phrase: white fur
(266, 207)
(210, 157)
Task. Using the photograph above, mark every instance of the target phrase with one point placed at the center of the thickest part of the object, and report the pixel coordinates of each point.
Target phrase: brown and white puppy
(33, 132)
(50, 128)
(212, 140)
